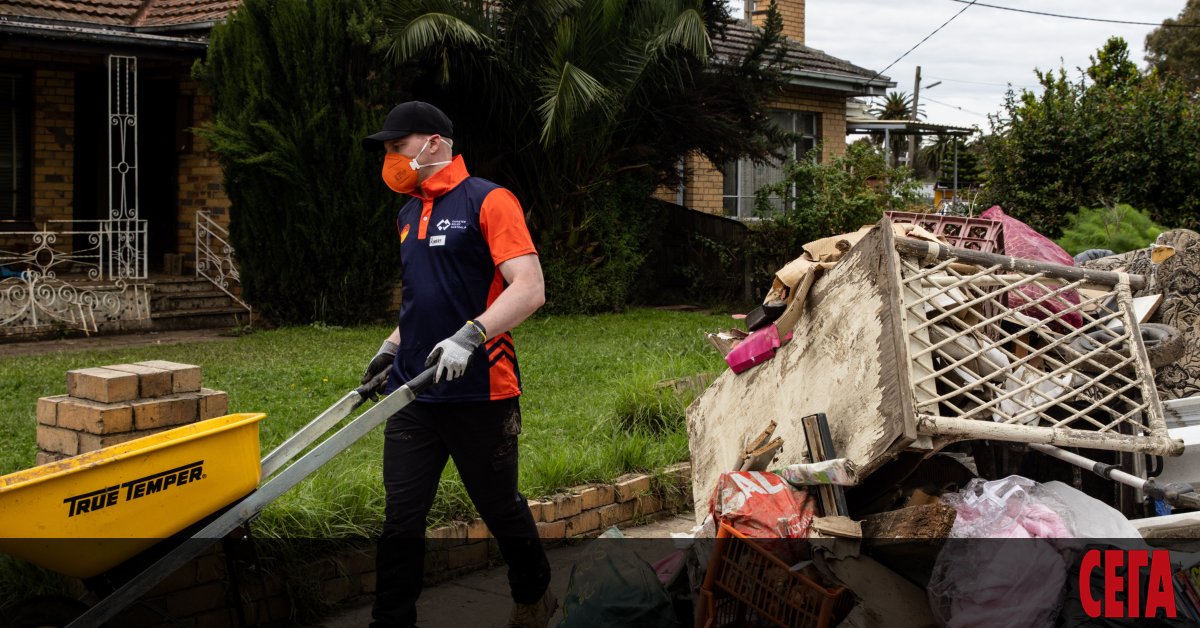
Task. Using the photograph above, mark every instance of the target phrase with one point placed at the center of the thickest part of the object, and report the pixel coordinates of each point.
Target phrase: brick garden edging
(200, 594)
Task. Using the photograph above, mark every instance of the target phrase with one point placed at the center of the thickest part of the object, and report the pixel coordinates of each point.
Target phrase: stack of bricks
(109, 405)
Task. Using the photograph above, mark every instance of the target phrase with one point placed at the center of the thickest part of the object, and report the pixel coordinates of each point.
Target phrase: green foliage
(1115, 134)
(824, 199)
(296, 84)
(1118, 228)
(570, 103)
(1176, 51)
(594, 269)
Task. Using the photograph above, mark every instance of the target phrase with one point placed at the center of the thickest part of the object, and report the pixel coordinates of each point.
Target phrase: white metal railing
(997, 352)
(111, 249)
(214, 257)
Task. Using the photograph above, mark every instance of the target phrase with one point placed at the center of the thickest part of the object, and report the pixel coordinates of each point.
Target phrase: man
(470, 274)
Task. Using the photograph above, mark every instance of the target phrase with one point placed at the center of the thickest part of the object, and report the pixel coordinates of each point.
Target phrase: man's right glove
(376, 373)
(452, 354)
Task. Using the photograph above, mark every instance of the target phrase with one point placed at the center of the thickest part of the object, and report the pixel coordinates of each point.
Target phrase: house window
(14, 146)
(744, 177)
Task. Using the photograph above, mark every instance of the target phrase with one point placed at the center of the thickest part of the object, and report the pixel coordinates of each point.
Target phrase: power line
(952, 80)
(915, 46)
(971, 3)
(946, 104)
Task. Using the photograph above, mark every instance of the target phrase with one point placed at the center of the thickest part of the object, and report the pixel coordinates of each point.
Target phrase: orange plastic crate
(748, 586)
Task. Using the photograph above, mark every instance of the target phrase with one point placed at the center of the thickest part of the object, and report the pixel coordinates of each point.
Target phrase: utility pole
(913, 139)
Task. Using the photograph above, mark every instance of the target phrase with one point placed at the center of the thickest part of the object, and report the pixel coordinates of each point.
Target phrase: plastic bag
(1020, 240)
(1010, 527)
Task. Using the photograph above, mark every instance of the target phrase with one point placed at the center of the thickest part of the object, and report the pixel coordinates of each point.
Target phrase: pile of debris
(913, 398)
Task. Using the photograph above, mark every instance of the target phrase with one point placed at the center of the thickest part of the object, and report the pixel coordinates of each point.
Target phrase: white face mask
(417, 166)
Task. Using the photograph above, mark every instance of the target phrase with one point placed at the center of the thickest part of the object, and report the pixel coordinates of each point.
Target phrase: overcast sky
(981, 51)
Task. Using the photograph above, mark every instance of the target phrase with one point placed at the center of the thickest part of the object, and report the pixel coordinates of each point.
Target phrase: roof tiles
(122, 12)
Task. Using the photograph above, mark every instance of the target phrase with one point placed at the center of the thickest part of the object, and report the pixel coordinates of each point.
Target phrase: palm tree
(897, 105)
(556, 98)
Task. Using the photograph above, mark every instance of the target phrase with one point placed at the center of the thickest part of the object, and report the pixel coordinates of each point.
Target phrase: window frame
(744, 200)
(22, 171)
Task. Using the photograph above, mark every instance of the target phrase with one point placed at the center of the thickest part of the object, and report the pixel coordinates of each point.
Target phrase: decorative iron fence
(215, 258)
(33, 296)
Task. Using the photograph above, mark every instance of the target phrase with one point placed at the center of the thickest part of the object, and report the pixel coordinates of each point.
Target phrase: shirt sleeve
(502, 222)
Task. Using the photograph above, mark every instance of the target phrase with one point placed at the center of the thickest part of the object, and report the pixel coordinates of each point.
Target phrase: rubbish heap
(933, 420)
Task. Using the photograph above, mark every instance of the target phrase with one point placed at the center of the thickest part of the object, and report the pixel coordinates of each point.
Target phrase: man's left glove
(452, 354)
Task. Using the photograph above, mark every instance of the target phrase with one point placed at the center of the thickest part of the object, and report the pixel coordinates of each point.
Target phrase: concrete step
(174, 285)
(199, 318)
(191, 300)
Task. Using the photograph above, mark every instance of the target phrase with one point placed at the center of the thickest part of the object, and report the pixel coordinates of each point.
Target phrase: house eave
(84, 36)
(849, 85)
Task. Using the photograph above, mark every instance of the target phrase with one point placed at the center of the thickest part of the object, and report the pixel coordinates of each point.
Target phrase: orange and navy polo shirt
(454, 234)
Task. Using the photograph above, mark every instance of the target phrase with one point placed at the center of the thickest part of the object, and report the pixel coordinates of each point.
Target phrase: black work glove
(375, 377)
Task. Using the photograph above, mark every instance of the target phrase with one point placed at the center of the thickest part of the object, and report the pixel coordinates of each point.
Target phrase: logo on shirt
(404, 233)
(446, 223)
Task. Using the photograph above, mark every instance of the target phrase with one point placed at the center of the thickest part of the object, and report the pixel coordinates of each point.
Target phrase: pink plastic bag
(1020, 240)
(757, 348)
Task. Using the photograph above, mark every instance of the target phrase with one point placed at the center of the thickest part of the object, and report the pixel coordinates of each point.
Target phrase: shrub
(1118, 228)
(295, 87)
(823, 199)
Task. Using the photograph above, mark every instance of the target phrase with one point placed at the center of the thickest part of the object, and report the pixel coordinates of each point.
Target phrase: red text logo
(1160, 592)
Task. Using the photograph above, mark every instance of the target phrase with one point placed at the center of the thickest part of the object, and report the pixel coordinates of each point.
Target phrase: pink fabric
(1020, 240)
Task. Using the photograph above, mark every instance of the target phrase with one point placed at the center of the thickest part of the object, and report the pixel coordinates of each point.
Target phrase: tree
(1113, 135)
(1118, 228)
(582, 107)
(295, 85)
(897, 105)
(1175, 51)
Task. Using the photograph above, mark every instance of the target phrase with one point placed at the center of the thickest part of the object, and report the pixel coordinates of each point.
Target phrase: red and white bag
(762, 505)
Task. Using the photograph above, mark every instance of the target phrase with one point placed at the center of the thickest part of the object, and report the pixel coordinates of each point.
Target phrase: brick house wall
(705, 182)
(790, 11)
(201, 185)
(53, 147)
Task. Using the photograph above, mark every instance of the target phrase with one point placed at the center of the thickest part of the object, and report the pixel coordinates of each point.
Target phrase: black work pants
(481, 437)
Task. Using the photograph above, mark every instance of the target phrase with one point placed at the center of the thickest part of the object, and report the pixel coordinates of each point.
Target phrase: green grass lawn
(589, 384)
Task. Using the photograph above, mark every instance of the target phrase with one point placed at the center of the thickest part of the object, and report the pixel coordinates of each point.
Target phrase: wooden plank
(845, 359)
(932, 521)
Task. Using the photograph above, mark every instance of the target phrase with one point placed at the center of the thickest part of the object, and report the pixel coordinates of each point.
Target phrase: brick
(101, 384)
(553, 530)
(679, 474)
(197, 599)
(213, 403)
(453, 533)
(468, 555)
(93, 417)
(46, 457)
(217, 618)
(151, 414)
(47, 409)
(614, 514)
(57, 440)
(477, 529)
(589, 497)
(647, 505)
(542, 510)
(583, 523)
(605, 494)
(92, 442)
(152, 382)
(368, 582)
(184, 377)
(566, 505)
(335, 590)
(630, 485)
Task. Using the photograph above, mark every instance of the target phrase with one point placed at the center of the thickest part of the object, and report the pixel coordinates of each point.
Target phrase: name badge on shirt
(438, 240)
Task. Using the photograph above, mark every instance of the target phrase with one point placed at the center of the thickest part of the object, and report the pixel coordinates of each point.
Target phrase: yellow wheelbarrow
(86, 515)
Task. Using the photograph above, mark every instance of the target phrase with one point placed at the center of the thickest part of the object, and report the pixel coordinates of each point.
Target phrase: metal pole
(955, 139)
(913, 138)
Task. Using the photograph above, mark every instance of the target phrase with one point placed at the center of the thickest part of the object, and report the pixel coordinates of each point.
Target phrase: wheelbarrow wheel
(44, 611)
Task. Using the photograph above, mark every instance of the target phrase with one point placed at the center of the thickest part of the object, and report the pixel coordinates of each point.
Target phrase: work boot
(535, 615)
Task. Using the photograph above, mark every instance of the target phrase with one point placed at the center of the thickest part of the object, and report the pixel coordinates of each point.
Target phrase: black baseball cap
(407, 118)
